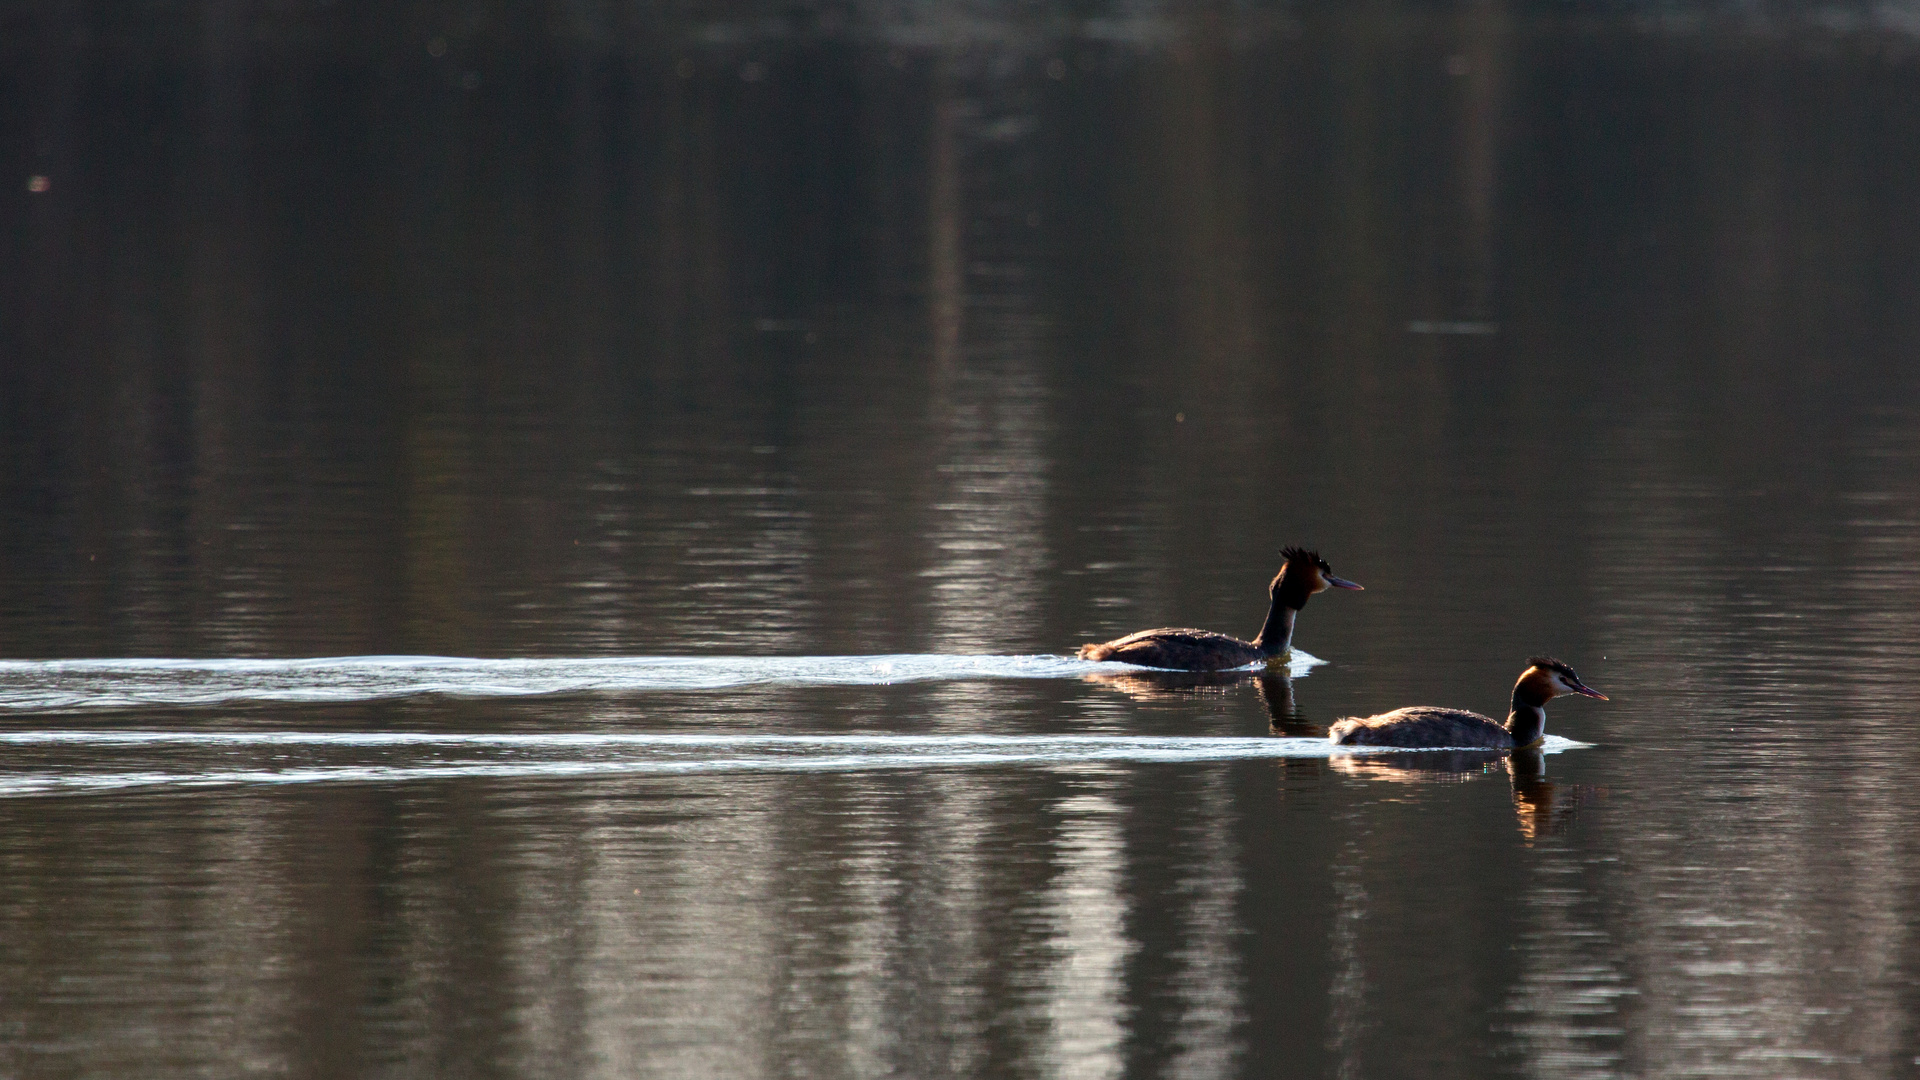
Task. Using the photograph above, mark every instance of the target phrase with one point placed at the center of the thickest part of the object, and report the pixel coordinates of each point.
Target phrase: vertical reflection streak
(1347, 997)
(987, 396)
(946, 274)
(903, 973)
(1567, 998)
(1884, 524)
(684, 972)
(1208, 986)
(1087, 912)
(943, 916)
(874, 941)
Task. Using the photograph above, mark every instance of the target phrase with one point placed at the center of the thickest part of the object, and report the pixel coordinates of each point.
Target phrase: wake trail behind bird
(88, 685)
(111, 760)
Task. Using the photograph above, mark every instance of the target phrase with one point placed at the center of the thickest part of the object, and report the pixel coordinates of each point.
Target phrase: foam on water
(86, 685)
(176, 759)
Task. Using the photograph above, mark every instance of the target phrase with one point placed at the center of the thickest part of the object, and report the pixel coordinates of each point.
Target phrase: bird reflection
(1275, 690)
(1147, 685)
(1541, 808)
(1283, 716)
(1541, 813)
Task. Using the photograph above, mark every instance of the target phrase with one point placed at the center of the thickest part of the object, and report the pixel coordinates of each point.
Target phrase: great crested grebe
(1425, 726)
(1303, 574)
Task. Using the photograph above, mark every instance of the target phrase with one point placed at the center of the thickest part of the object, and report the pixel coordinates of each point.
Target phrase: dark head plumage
(1551, 664)
(1306, 556)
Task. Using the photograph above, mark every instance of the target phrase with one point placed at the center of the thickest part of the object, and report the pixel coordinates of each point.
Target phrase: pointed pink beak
(1587, 691)
(1343, 583)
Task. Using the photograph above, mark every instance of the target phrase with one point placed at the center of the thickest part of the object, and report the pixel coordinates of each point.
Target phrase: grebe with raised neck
(1428, 727)
(1182, 649)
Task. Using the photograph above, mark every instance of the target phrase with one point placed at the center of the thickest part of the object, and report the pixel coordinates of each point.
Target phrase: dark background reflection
(604, 329)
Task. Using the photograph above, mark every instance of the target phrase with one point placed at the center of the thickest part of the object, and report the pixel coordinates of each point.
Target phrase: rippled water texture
(548, 540)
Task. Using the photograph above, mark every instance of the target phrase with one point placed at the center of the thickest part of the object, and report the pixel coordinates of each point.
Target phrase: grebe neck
(1290, 592)
(1527, 720)
(1527, 724)
(1276, 634)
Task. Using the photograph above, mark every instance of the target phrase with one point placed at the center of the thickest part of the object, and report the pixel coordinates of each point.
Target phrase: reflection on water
(1542, 806)
(1208, 985)
(1283, 715)
(1347, 996)
(1274, 689)
(799, 385)
(1083, 1008)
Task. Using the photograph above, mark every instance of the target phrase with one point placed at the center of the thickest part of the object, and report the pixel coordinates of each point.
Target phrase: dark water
(750, 410)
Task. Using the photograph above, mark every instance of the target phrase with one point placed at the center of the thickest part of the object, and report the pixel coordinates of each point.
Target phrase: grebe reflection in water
(1541, 807)
(1275, 689)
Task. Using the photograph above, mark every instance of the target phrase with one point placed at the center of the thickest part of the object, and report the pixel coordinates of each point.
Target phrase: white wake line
(1257, 746)
(570, 769)
(807, 753)
(88, 685)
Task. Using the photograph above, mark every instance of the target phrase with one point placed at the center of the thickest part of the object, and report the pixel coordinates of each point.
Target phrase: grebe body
(1423, 726)
(1428, 727)
(1183, 649)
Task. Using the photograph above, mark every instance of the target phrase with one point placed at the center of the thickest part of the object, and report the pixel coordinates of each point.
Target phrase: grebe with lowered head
(1424, 726)
(1303, 574)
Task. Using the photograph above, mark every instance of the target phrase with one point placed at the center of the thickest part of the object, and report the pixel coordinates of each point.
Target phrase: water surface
(551, 546)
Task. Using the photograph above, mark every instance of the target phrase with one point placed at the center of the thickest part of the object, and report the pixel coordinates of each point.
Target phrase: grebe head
(1305, 573)
(1548, 678)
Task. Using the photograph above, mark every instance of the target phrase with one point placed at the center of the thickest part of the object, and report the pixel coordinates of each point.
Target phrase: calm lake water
(618, 492)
